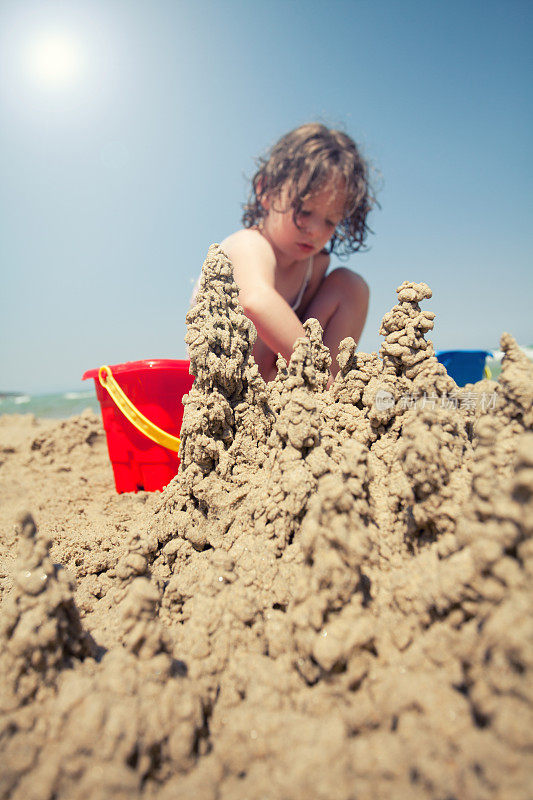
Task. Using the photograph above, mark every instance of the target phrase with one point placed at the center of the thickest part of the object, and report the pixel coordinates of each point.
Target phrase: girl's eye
(330, 224)
(304, 213)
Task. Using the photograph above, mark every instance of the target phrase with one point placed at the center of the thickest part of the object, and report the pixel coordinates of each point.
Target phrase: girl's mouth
(305, 247)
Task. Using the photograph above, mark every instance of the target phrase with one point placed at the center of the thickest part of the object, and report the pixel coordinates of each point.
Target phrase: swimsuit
(307, 278)
(296, 302)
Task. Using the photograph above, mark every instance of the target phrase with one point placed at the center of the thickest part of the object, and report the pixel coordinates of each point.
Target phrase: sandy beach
(332, 599)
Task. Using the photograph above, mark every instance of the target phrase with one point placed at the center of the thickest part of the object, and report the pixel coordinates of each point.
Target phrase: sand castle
(331, 599)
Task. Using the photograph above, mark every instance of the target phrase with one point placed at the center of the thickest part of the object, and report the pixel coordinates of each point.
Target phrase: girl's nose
(318, 230)
(310, 225)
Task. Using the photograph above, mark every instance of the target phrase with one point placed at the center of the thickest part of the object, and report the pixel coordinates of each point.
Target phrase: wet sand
(331, 600)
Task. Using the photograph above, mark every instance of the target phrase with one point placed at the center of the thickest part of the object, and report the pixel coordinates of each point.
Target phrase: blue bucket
(464, 366)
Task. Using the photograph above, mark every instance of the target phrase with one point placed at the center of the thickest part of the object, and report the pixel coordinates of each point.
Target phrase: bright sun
(55, 60)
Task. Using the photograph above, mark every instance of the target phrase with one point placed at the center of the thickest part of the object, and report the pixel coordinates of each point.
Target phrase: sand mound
(331, 599)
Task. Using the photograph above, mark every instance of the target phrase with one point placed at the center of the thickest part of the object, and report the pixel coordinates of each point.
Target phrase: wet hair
(304, 161)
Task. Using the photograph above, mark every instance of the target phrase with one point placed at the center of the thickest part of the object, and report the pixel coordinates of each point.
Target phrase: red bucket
(156, 388)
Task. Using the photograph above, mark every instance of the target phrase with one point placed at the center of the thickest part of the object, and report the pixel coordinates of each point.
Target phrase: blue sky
(119, 169)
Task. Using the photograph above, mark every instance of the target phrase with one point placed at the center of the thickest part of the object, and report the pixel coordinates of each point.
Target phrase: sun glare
(55, 60)
(60, 64)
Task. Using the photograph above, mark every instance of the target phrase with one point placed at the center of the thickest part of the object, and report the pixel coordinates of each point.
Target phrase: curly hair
(303, 162)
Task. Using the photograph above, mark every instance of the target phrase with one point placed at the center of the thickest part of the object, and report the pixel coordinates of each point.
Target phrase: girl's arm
(277, 324)
(254, 268)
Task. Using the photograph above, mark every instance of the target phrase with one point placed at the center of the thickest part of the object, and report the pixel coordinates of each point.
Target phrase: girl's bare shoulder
(249, 244)
(252, 258)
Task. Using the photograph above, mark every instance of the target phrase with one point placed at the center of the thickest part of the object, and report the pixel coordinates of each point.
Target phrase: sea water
(57, 406)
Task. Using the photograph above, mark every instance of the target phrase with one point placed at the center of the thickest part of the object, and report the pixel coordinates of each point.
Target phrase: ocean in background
(62, 405)
(56, 406)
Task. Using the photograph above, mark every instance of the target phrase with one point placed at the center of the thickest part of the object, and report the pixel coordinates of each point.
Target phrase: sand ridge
(331, 599)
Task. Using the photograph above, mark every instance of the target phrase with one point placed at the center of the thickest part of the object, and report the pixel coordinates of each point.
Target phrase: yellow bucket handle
(138, 420)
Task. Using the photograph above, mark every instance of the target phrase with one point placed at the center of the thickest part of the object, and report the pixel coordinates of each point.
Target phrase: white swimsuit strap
(305, 284)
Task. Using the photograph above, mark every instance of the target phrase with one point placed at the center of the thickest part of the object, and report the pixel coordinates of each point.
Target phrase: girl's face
(314, 226)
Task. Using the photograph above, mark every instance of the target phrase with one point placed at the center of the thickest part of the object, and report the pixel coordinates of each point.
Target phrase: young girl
(309, 197)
